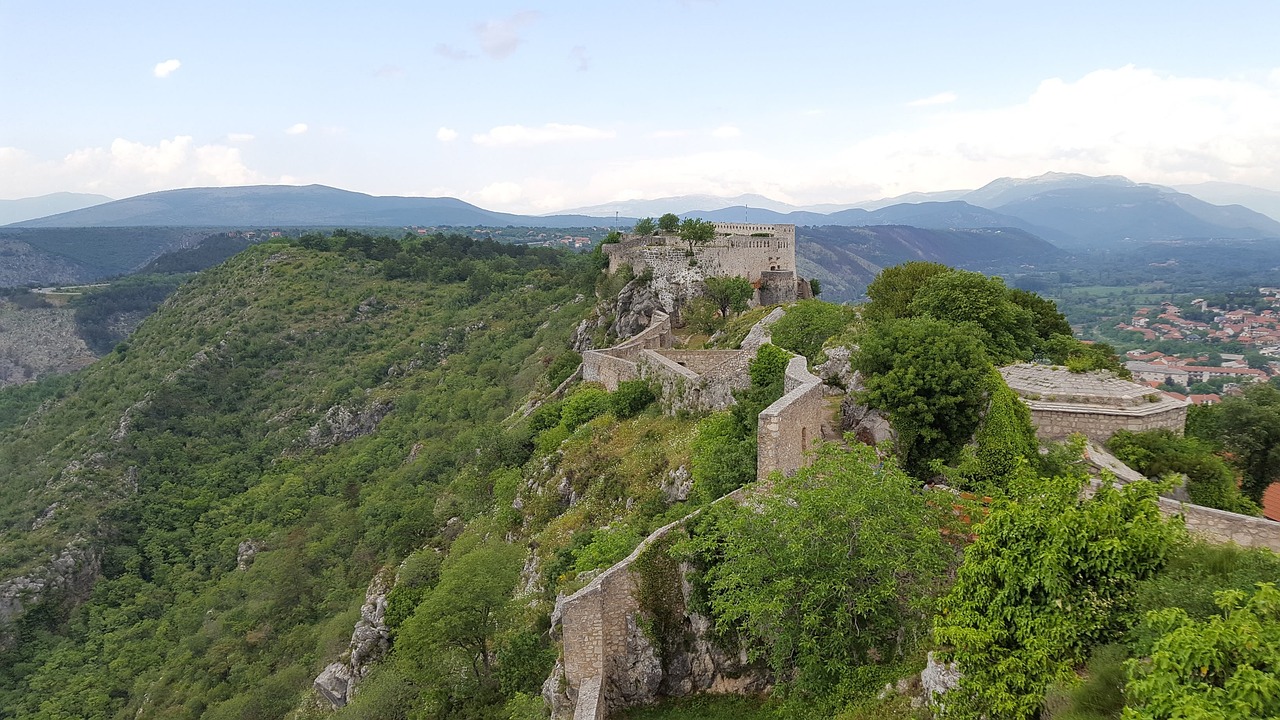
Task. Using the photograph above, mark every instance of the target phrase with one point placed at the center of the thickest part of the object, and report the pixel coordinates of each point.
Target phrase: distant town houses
(1257, 328)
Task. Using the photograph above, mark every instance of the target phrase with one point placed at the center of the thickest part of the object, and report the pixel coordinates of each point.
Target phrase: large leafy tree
(809, 324)
(1249, 427)
(895, 287)
(730, 294)
(695, 232)
(932, 378)
(837, 565)
(645, 226)
(1226, 667)
(1048, 577)
(960, 296)
(669, 223)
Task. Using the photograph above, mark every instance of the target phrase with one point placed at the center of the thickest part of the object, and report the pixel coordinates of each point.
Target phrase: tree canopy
(669, 223)
(645, 226)
(730, 294)
(696, 232)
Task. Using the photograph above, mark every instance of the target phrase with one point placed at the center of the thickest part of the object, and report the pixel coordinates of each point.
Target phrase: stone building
(1096, 404)
(764, 254)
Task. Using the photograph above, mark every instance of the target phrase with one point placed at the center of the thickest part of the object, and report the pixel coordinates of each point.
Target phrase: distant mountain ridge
(12, 211)
(289, 206)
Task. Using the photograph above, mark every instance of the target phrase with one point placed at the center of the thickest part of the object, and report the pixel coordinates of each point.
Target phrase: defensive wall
(602, 624)
(1095, 404)
(788, 428)
(1212, 524)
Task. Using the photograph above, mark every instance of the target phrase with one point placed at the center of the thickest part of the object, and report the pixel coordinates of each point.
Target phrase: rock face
(760, 333)
(370, 641)
(836, 369)
(636, 305)
(341, 424)
(67, 577)
(938, 678)
(868, 425)
(246, 552)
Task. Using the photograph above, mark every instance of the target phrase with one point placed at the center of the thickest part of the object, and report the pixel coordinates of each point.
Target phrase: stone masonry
(1095, 404)
(788, 428)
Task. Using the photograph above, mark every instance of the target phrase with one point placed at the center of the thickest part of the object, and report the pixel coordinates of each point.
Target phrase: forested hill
(311, 402)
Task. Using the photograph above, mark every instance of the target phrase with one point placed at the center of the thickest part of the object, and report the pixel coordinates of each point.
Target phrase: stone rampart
(787, 429)
(739, 249)
(1095, 404)
(616, 364)
(696, 379)
(1212, 524)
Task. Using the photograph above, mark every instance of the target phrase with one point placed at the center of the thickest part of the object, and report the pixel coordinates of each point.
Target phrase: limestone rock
(636, 304)
(67, 577)
(677, 485)
(341, 424)
(837, 370)
(868, 425)
(556, 693)
(938, 678)
(640, 674)
(370, 641)
(245, 553)
(760, 333)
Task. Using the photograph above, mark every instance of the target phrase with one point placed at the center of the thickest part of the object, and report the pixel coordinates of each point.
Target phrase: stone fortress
(1095, 404)
(763, 254)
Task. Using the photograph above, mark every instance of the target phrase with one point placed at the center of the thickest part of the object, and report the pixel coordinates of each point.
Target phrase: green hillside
(245, 409)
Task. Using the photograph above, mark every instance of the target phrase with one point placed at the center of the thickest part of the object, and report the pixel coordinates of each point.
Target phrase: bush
(584, 405)
(562, 367)
(631, 398)
(808, 324)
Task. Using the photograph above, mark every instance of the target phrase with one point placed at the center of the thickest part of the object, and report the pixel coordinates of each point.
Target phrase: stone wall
(1209, 523)
(618, 363)
(696, 379)
(1058, 421)
(789, 427)
(734, 252)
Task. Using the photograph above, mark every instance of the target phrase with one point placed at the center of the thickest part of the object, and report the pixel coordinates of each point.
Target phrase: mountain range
(12, 211)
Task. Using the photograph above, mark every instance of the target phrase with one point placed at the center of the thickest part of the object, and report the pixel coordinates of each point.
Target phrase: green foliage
(1045, 318)
(631, 398)
(97, 311)
(730, 294)
(1048, 577)
(1225, 667)
(932, 378)
(1099, 696)
(695, 232)
(586, 403)
(562, 367)
(1062, 349)
(606, 547)
(1249, 427)
(645, 226)
(838, 565)
(815, 287)
(1157, 453)
(1005, 441)
(669, 223)
(702, 315)
(895, 287)
(708, 707)
(961, 296)
(724, 451)
(808, 324)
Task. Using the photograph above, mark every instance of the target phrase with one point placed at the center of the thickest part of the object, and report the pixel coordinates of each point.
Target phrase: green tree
(1249, 427)
(932, 378)
(461, 616)
(695, 232)
(645, 226)
(1157, 453)
(669, 223)
(808, 324)
(837, 565)
(1046, 320)
(960, 296)
(895, 287)
(1005, 442)
(1227, 667)
(815, 287)
(729, 293)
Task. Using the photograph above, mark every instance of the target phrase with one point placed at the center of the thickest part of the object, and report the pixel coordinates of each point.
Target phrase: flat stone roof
(1057, 385)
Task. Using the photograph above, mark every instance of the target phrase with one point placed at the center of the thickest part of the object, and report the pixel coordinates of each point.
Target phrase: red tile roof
(1271, 502)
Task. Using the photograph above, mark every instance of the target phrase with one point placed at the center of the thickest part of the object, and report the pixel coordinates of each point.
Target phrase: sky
(534, 107)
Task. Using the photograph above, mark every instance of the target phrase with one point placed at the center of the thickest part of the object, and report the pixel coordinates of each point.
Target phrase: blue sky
(535, 107)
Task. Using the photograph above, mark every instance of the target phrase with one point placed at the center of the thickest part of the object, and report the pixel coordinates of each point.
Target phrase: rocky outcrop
(341, 424)
(246, 552)
(760, 334)
(370, 642)
(634, 309)
(868, 425)
(836, 369)
(67, 578)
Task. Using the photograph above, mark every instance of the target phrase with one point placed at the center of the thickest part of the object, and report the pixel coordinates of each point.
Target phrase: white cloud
(500, 38)
(296, 129)
(580, 59)
(125, 168)
(499, 194)
(240, 137)
(166, 68)
(725, 132)
(445, 134)
(1126, 121)
(520, 135)
(941, 98)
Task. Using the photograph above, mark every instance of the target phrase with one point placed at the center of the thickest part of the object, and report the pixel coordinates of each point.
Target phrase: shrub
(631, 398)
(808, 324)
(586, 404)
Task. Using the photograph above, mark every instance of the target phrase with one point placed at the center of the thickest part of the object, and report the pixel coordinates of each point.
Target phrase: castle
(764, 254)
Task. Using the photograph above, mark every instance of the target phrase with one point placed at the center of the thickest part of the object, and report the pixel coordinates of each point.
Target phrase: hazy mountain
(289, 206)
(846, 258)
(1257, 199)
(1106, 213)
(12, 211)
(679, 204)
(911, 197)
(1006, 190)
